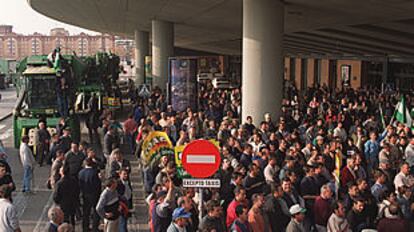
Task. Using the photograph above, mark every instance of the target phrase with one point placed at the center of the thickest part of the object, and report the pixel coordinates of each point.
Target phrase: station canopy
(325, 27)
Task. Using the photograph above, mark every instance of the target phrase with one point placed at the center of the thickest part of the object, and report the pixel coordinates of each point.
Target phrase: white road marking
(21, 203)
(43, 216)
(201, 159)
(8, 133)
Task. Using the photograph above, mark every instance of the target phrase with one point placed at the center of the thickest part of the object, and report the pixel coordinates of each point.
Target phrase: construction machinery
(102, 73)
(36, 86)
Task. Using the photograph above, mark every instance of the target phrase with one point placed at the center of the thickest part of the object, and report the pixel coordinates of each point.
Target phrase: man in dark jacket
(42, 147)
(65, 140)
(254, 181)
(61, 126)
(90, 187)
(125, 194)
(74, 159)
(92, 120)
(273, 209)
(119, 163)
(6, 178)
(357, 218)
(98, 162)
(110, 142)
(54, 147)
(66, 195)
(213, 221)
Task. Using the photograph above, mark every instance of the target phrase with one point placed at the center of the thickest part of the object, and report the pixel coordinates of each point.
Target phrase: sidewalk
(7, 102)
(138, 222)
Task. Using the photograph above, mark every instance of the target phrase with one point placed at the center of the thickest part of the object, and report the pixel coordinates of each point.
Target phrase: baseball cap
(319, 137)
(295, 209)
(180, 213)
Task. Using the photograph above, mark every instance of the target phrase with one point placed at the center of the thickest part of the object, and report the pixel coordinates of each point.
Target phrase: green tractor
(37, 97)
(100, 80)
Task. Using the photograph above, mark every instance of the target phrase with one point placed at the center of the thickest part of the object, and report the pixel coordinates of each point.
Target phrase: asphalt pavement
(7, 102)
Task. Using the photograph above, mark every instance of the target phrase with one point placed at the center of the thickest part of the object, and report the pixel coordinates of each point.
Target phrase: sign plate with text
(201, 183)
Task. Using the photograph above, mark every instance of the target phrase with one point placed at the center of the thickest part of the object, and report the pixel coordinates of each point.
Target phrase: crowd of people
(90, 186)
(334, 160)
(87, 186)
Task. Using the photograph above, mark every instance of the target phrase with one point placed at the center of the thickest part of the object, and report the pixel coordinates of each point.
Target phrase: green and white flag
(56, 65)
(402, 114)
(382, 117)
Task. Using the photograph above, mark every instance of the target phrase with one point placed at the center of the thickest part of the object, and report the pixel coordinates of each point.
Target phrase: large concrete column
(141, 50)
(262, 80)
(162, 49)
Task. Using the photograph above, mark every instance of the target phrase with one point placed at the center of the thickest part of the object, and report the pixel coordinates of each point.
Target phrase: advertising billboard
(183, 83)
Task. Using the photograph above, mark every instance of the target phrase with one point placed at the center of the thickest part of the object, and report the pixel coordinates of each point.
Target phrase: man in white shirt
(270, 171)
(9, 221)
(28, 162)
(409, 153)
(340, 132)
(403, 177)
(164, 122)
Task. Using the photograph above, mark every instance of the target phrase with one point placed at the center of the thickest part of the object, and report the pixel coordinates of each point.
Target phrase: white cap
(295, 209)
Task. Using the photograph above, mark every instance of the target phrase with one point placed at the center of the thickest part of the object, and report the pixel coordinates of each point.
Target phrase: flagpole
(393, 114)
(382, 116)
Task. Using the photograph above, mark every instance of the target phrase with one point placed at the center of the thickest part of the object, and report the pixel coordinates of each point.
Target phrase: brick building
(16, 46)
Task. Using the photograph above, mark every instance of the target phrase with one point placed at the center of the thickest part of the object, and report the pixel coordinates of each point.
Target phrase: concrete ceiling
(321, 27)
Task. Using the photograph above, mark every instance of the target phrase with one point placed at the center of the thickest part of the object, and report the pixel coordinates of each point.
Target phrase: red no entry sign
(201, 158)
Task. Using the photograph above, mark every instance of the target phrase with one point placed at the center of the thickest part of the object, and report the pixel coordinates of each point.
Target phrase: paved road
(8, 101)
(32, 209)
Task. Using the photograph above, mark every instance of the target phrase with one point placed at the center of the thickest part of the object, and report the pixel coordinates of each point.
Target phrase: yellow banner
(178, 155)
(157, 144)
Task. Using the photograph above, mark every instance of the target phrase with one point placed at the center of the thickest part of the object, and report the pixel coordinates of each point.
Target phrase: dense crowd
(334, 160)
(87, 186)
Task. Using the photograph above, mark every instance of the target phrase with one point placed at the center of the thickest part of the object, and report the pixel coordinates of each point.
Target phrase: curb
(6, 116)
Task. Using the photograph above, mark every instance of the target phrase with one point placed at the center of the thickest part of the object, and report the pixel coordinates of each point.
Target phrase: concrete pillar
(141, 50)
(262, 77)
(162, 49)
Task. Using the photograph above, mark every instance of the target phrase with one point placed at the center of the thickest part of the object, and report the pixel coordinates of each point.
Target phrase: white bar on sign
(201, 159)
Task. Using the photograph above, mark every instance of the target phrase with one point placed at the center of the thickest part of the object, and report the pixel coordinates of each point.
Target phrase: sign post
(200, 205)
(201, 159)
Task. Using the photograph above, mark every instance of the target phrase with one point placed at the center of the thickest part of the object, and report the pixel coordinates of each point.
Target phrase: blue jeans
(62, 102)
(123, 224)
(27, 178)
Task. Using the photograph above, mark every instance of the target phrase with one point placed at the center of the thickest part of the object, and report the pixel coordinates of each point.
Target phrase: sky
(25, 20)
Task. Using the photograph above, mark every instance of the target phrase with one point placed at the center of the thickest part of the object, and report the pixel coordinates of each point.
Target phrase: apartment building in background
(17, 46)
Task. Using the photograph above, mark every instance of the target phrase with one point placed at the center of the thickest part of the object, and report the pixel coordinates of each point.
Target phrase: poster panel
(183, 83)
